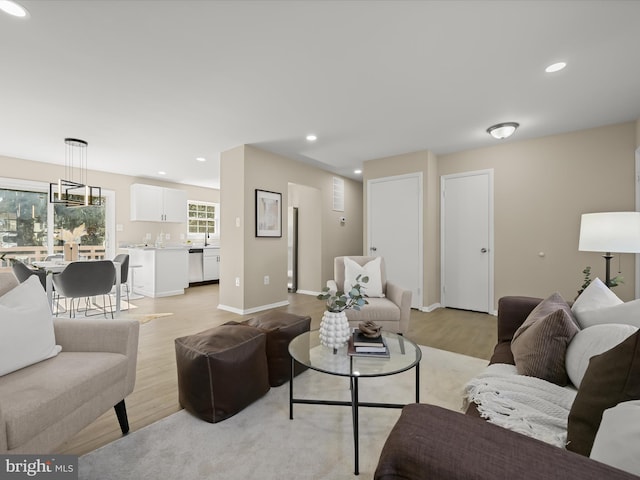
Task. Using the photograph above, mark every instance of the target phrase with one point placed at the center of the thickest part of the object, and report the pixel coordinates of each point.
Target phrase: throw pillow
(618, 437)
(612, 377)
(373, 288)
(539, 346)
(593, 341)
(625, 313)
(26, 327)
(597, 295)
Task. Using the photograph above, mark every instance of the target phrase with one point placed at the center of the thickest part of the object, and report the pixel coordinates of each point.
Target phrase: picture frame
(268, 214)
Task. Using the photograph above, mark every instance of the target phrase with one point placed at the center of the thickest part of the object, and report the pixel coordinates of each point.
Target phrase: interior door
(395, 229)
(467, 241)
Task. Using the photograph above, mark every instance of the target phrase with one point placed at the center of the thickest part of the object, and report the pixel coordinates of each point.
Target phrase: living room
(576, 149)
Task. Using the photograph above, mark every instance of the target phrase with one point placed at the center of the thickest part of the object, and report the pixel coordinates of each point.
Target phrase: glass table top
(307, 350)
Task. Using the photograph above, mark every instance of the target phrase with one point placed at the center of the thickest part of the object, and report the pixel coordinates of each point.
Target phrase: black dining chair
(123, 260)
(22, 273)
(85, 280)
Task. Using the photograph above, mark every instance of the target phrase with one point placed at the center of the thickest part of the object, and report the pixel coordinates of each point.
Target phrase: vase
(334, 329)
(70, 251)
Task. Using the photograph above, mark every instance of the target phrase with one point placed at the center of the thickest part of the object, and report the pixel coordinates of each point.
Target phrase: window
(31, 227)
(202, 219)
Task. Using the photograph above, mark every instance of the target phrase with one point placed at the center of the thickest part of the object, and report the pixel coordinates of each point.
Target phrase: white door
(467, 240)
(395, 229)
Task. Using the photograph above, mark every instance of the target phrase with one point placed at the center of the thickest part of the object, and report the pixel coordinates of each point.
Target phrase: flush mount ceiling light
(12, 8)
(161, 172)
(502, 130)
(201, 159)
(73, 190)
(556, 67)
(311, 138)
(357, 171)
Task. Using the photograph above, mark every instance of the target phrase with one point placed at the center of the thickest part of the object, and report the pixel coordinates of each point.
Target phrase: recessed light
(311, 138)
(12, 8)
(201, 159)
(357, 172)
(161, 172)
(556, 67)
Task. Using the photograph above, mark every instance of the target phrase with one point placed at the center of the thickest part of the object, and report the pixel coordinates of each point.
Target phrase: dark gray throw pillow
(539, 346)
(612, 377)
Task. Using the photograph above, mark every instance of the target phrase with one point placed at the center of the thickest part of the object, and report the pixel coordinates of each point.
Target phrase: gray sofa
(45, 404)
(429, 442)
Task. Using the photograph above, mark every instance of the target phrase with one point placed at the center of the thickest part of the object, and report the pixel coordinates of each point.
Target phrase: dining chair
(123, 260)
(85, 280)
(22, 273)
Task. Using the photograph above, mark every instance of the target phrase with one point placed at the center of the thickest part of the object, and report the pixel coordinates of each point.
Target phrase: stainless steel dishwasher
(196, 272)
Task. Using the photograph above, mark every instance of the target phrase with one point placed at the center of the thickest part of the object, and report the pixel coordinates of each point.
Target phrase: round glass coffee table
(307, 350)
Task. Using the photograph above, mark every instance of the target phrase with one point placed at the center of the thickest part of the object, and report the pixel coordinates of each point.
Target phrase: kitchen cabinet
(211, 264)
(158, 204)
(163, 271)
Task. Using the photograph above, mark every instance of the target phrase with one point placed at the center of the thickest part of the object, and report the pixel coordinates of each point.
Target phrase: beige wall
(245, 169)
(232, 218)
(308, 200)
(541, 187)
(132, 232)
(416, 162)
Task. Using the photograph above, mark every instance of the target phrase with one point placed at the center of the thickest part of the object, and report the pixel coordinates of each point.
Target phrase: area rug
(262, 443)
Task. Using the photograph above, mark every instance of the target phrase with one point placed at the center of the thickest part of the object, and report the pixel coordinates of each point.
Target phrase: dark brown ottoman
(280, 328)
(221, 371)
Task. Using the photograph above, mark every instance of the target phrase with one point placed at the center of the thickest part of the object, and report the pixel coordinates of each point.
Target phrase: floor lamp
(610, 232)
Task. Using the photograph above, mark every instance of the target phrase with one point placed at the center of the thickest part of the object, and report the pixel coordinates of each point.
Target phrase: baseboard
(308, 292)
(430, 308)
(249, 311)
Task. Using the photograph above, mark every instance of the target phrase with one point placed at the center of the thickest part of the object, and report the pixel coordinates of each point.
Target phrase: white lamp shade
(617, 232)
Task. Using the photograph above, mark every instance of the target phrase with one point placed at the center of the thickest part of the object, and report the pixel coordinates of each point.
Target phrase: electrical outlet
(237, 221)
(237, 281)
(266, 279)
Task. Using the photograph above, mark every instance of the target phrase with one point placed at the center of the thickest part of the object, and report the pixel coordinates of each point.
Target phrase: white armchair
(391, 312)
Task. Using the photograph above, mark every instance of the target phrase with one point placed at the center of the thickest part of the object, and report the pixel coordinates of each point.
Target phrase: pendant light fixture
(73, 190)
(502, 130)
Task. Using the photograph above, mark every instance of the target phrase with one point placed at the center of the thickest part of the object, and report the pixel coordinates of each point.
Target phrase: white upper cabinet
(157, 204)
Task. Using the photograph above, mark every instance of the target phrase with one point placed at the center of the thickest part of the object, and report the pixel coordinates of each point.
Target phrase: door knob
(483, 250)
(373, 249)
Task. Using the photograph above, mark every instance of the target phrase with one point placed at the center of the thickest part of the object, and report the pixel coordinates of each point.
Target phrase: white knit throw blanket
(526, 405)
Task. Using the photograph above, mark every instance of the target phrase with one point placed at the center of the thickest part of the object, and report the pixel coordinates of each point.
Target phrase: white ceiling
(151, 85)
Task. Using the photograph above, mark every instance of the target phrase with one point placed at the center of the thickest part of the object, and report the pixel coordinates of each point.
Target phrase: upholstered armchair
(389, 305)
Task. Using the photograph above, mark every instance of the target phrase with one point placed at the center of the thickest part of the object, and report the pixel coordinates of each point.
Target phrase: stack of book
(362, 346)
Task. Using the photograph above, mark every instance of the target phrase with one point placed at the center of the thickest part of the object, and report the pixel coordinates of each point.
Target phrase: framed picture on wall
(268, 214)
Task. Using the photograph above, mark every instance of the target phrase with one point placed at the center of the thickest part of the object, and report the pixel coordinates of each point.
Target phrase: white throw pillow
(597, 295)
(626, 313)
(26, 327)
(590, 342)
(618, 437)
(373, 288)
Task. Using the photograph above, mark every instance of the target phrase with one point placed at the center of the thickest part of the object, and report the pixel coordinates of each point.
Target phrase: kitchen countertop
(172, 247)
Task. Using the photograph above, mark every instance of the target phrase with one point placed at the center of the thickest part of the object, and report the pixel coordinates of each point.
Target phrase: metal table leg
(354, 413)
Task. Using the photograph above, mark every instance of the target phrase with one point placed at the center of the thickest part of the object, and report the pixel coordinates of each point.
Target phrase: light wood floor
(156, 391)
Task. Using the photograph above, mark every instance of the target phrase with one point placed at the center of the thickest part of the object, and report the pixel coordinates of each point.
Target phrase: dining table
(56, 266)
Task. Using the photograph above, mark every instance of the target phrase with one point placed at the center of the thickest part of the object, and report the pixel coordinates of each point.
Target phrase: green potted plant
(334, 327)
